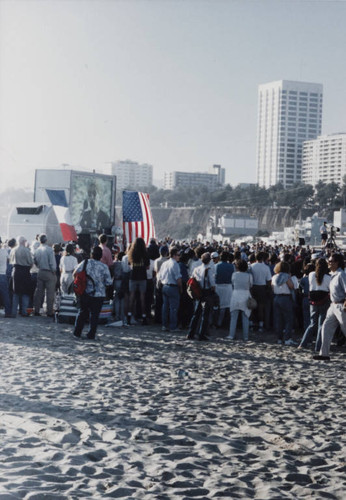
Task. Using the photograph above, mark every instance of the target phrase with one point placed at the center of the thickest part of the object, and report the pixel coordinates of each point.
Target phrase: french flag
(57, 198)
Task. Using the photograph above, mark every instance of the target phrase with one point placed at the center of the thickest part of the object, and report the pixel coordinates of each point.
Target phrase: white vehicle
(32, 218)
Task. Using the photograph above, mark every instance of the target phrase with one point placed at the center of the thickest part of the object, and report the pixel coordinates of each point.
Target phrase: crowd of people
(289, 289)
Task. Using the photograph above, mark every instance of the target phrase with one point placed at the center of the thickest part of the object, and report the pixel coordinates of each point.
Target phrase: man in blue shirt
(170, 278)
(223, 280)
(336, 314)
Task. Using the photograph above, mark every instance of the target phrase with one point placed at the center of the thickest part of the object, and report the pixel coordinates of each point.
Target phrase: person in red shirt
(106, 252)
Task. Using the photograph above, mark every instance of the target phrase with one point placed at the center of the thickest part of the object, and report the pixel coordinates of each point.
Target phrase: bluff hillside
(183, 223)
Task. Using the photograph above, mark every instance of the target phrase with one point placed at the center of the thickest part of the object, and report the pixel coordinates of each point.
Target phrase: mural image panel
(91, 204)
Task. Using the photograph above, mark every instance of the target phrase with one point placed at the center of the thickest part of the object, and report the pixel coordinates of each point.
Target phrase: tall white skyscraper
(289, 113)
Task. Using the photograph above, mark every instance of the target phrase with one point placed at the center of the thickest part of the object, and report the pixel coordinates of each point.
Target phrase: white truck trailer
(30, 219)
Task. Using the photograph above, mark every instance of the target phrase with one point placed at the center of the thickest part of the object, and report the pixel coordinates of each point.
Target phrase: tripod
(331, 243)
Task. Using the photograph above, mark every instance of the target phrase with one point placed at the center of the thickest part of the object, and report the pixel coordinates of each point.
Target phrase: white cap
(214, 255)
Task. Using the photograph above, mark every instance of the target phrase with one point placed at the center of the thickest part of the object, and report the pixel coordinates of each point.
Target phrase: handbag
(194, 289)
(80, 280)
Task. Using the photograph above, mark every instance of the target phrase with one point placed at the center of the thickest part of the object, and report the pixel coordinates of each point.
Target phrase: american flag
(137, 218)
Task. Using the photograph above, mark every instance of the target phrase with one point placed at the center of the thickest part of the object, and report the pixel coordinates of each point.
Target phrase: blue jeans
(317, 316)
(233, 325)
(170, 306)
(306, 312)
(5, 295)
(24, 305)
(118, 302)
(90, 308)
(283, 316)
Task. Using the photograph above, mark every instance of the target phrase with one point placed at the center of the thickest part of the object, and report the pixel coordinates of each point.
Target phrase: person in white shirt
(158, 289)
(199, 251)
(242, 283)
(68, 264)
(283, 303)
(319, 283)
(4, 292)
(336, 314)
(261, 290)
(324, 234)
(206, 278)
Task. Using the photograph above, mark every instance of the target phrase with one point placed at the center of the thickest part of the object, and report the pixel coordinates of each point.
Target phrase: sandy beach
(115, 419)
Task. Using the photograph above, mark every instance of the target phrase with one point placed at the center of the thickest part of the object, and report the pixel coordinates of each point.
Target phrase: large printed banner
(91, 203)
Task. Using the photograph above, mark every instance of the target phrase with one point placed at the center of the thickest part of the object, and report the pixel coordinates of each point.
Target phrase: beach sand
(114, 419)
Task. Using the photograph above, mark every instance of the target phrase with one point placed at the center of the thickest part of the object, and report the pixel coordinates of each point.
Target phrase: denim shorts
(140, 285)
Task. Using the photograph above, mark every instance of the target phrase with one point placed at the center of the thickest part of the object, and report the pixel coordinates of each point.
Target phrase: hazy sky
(171, 83)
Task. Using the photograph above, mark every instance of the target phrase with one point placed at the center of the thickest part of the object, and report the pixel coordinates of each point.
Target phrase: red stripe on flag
(68, 232)
(130, 232)
(125, 232)
(146, 218)
(152, 226)
(151, 220)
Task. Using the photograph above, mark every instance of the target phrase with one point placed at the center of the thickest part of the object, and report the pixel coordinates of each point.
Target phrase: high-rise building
(213, 180)
(220, 172)
(131, 174)
(324, 159)
(289, 113)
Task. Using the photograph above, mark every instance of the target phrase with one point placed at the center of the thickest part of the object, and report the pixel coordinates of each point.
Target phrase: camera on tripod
(333, 231)
(331, 241)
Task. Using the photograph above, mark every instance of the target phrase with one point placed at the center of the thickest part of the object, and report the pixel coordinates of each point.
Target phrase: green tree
(275, 194)
(299, 195)
(325, 194)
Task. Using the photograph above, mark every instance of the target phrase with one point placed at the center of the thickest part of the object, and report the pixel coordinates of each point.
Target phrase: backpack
(80, 280)
(194, 289)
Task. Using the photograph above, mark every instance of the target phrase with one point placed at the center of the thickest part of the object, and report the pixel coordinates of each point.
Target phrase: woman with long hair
(304, 289)
(139, 263)
(319, 282)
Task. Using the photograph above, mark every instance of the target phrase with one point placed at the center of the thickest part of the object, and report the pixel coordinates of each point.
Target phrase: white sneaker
(291, 342)
(228, 338)
(280, 342)
(164, 329)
